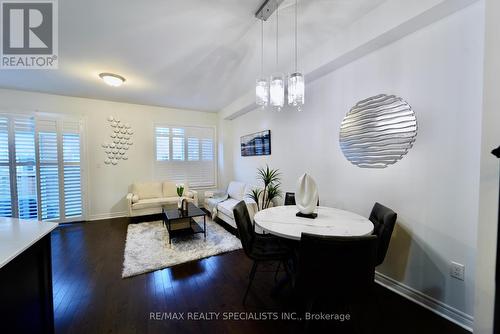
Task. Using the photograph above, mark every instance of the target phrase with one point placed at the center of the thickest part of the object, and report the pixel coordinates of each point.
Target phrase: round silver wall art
(378, 131)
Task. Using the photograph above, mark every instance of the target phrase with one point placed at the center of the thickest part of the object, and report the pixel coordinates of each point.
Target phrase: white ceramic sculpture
(306, 195)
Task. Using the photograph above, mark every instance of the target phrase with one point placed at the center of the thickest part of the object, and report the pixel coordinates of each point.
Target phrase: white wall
(434, 189)
(108, 185)
(488, 195)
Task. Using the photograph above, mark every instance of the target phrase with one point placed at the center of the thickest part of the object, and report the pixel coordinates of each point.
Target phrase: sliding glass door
(40, 168)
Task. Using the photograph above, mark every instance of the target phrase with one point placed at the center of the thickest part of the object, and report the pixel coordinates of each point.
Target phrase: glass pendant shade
(296, 90)
(262, 92)
(277, 92)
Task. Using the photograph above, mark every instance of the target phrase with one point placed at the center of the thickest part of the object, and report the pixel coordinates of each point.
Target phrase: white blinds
(24, 132)
(49, 169)
(40, 174)
(59, 151)
(162, 144)
(72, 174)
(5, 198)
(186, 154)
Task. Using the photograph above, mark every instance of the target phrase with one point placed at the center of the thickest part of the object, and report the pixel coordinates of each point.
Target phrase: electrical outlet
(457, 271)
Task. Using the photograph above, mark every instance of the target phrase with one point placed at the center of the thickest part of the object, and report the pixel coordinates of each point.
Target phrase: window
(49, 174)
(5, 194)
(178, 144)
(186, 154)
(162, 144)
(40, 168)
(207, 149)
(72, 172)
(24, 144)
(193, 149)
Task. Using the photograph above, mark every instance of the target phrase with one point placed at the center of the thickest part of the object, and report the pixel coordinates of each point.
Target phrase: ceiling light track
(267, 9)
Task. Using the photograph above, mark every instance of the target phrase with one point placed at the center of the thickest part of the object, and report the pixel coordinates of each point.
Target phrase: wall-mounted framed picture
(256, 144)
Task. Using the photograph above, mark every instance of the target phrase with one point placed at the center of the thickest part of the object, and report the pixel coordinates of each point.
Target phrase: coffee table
(172, 215)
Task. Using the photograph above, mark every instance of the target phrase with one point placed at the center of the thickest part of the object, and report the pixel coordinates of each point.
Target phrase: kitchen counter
(26, 276)
(17, 235)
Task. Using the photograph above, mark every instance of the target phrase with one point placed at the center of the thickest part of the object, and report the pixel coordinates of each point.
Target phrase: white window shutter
(72, 170)
(192, 155)
(162, 144)
(24, 143)
(49, 169)
(40, 168)
(5, 194)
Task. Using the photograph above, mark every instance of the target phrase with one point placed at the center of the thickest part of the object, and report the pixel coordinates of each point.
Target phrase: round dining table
(283, 222)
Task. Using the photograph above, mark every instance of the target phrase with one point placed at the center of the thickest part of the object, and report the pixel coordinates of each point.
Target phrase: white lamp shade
(262, 92)
(277, 92)
(296, 90)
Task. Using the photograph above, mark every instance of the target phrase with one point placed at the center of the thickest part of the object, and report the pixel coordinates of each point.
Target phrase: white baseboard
(109, 215)
(458, 317)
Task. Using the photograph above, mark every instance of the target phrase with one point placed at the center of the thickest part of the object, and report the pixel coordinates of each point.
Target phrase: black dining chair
(258, 247)
(335, 271)
(290, 199)
(383, 220)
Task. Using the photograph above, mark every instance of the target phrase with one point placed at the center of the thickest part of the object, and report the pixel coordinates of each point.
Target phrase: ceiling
(187, 54)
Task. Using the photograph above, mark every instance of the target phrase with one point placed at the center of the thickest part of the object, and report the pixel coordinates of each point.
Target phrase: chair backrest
(336, 267)
(290, 199)
(383, 220)
(245, 226)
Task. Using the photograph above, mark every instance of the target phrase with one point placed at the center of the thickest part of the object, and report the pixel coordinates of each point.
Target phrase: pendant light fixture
(277, 83)
(296, 85)
(262, 85)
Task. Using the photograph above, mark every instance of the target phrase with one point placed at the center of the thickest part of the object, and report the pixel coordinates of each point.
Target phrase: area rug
(147, 248)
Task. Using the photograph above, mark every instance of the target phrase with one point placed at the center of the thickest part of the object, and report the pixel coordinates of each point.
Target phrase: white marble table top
(281, 221)
(17, 235)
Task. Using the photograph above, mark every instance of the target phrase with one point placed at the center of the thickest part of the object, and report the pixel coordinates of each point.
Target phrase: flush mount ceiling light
(111, 79)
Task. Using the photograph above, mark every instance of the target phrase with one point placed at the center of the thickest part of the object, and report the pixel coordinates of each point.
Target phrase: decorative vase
(179, 203)
(306, 196)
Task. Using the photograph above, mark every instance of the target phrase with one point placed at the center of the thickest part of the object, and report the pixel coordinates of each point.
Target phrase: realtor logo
(29, 34)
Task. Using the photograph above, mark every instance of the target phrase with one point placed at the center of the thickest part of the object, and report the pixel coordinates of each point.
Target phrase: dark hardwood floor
(91, 297)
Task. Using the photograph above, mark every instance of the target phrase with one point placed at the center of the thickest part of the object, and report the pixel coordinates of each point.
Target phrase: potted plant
(180, 192)
(271, 180)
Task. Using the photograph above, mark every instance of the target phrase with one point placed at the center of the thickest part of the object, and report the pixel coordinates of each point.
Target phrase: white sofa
(236, 192)
(147, 198)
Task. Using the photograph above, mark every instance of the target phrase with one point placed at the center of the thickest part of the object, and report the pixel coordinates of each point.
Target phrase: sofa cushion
(135, 198)
(170, 189)
(227, 207)
(147, 190)
(154, 202)
(236, 190)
